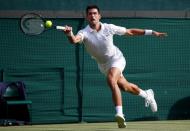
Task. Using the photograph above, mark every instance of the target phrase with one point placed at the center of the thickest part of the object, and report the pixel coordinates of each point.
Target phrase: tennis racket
(34, 24)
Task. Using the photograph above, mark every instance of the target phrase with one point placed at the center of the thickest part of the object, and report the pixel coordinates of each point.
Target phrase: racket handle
(60, 27)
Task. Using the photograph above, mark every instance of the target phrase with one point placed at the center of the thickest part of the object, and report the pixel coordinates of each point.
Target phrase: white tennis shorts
(114, 62)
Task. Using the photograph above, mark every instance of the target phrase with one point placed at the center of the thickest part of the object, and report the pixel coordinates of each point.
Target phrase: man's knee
(112, 77)
(111, 81)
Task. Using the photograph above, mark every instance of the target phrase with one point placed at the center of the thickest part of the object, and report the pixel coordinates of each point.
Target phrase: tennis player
(98, 40)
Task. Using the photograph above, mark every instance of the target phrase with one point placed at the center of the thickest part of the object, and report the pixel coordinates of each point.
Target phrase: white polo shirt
(100, 44)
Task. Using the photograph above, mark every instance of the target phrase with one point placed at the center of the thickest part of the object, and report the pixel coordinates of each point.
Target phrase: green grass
(183, 125)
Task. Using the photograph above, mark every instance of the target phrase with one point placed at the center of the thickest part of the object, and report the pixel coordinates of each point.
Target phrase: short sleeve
(119, 30)
(81, 33)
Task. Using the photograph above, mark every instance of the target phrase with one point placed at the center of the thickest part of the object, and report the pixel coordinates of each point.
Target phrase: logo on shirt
(106, 32)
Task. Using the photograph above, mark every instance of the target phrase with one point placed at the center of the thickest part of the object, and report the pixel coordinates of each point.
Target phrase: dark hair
(92, 7)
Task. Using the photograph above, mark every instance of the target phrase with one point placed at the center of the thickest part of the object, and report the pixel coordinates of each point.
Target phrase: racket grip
(60, 27)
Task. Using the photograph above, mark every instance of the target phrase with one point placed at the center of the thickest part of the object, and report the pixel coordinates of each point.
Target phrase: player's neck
(96, 27)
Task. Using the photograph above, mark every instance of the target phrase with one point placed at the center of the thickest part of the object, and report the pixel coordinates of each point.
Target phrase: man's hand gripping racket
(34, 24)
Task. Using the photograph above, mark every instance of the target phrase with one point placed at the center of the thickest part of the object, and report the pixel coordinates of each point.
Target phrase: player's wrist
(148, 32)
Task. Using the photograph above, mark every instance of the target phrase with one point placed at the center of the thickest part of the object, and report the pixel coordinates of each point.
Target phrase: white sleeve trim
(82, 36)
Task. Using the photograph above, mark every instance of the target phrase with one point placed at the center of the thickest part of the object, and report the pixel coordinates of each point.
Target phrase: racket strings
(32, 24)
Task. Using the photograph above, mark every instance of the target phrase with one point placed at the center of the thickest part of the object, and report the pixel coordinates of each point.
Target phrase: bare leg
(127, 86)
(134, 89)
(112, 78)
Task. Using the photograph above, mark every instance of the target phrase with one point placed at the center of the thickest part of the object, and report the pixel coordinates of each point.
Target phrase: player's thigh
(113, 74)
(122, 81)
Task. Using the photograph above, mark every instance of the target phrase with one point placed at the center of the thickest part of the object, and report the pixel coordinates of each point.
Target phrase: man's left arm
(135, 32)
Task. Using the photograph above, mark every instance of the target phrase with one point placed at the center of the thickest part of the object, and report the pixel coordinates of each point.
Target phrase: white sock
(142, 93)
(119, 110)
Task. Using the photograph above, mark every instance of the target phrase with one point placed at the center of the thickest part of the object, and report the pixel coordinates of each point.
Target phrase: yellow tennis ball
(48, 24)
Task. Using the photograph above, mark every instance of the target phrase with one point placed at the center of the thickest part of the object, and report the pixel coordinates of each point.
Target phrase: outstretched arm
(74, 39)
(133, 32)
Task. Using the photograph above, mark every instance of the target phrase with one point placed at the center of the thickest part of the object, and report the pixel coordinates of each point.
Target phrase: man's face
(93, 16)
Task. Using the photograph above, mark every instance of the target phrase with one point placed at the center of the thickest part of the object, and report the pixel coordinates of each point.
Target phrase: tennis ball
(48, 24)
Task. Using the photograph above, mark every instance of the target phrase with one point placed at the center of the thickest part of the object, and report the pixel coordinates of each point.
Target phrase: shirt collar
(92, 30)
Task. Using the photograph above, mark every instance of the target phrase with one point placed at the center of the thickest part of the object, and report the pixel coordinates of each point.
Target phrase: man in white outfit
(98, 40)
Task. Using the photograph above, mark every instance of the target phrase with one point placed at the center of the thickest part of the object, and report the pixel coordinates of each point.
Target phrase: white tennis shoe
(120, 121)
(150, 101)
